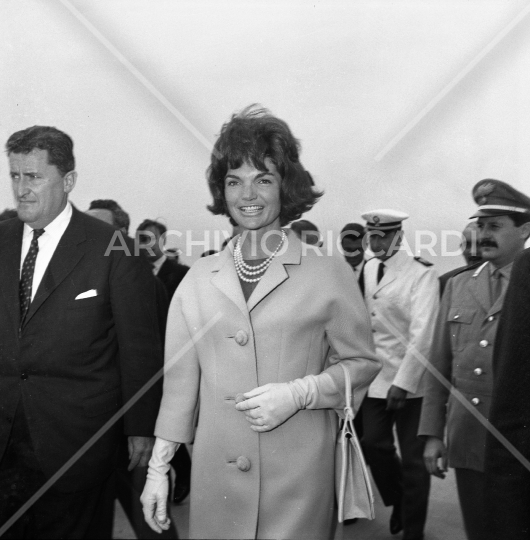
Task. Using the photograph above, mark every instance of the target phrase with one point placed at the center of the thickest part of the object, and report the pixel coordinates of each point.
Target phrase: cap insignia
(483, 191)
(376, 220)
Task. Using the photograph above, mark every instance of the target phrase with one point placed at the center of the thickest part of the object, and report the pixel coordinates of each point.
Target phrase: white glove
(268, 406)
(156, 489)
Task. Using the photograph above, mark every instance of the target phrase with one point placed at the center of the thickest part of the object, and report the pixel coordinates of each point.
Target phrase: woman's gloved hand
(266, 407)
(155, 494)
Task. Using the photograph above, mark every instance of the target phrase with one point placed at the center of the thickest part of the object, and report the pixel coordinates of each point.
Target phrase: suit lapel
(276, 274)
(480, 287)
(10, 252)
(226, 280)
(65, 258)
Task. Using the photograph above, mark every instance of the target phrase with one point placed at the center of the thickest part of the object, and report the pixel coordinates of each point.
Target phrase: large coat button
(243, 463)
(241, 337)
(475, 401)
(477, 371)
(484, 343)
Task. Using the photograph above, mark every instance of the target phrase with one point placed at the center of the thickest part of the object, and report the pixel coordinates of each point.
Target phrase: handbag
(353, 488)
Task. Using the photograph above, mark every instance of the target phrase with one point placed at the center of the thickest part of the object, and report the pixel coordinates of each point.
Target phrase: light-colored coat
(305, 316)
(462, 353)
(403, 308)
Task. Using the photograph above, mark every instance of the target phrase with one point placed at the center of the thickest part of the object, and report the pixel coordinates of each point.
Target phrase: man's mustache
(488, 243)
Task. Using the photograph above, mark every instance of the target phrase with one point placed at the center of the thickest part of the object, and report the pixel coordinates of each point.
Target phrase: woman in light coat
(254, 338)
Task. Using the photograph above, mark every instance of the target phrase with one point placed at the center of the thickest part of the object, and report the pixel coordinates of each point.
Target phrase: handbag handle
(348, 409)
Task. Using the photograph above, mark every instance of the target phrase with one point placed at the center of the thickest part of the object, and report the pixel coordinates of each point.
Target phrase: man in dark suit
(167, 269)
(151, 235)
(79, 338)
(507, 489)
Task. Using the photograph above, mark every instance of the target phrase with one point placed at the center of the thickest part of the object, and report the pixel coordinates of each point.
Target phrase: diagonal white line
(138, 75)
(469, 67)
(160, 373)
(458, 395)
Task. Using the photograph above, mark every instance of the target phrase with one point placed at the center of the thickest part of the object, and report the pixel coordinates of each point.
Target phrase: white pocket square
(87, 294)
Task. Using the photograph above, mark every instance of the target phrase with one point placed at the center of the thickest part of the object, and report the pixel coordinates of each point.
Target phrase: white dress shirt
(48, 243)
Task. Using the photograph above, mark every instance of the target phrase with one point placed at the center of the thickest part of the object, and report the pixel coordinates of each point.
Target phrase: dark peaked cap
(496, 198)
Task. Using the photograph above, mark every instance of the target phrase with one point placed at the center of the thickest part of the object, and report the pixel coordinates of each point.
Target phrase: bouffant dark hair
(251, 136)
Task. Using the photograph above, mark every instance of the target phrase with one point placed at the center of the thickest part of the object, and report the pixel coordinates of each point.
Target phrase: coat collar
(480, 287)
(227, 280)
(393, 268)
(66, 256)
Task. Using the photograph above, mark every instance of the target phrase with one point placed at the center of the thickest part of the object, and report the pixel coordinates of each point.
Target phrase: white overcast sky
(346, 76)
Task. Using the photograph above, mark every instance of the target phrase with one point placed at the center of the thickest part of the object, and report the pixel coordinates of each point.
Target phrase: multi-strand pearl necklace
(245, 271)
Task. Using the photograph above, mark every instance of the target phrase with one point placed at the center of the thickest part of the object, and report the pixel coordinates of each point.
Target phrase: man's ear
(525, 230)
(69, 180)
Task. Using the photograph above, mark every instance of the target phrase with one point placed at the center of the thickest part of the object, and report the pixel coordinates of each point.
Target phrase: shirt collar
(57, 227)
(158, 264)
(505, 271)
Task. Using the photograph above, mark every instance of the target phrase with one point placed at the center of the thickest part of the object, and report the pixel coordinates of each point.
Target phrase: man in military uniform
(463, 348)
(402, 296)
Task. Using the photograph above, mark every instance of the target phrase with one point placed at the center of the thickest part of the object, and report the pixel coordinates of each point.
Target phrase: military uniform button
(484, 343)
(373, 313)
(477, 371)
(475, 401)
(243, 463)
(491, 318)
(456, 317)
(241, 338)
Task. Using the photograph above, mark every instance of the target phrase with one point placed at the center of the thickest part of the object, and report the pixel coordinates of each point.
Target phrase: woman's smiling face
(253, 196)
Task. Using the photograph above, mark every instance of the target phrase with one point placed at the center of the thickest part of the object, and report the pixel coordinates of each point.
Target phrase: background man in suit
(353, 246)
(79, 337)
(463, 348)
(110, 212)
(507, 493)
(170, 272)
(167, 269)
(401, 293)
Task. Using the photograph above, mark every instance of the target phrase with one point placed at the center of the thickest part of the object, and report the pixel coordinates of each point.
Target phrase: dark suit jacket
(507, 480)
(74, 362)
(171, 274)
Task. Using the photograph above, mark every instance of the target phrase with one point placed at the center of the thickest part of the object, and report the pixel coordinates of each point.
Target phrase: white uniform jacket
(403, 309)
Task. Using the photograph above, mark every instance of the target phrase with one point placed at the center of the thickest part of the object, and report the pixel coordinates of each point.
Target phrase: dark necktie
(380, 271)
(496, 286)
(26, 279)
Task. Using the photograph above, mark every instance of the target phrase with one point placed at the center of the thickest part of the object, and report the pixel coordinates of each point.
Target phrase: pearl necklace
(245, 270)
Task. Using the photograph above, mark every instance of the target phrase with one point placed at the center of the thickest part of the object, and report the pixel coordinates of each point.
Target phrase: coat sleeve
(424, 308)
(134, 310)
(349, 336)
(180, 400)
(433, 413)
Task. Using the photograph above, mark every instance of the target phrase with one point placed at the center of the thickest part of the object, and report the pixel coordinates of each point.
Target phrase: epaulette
(423, 261)
(466, 268)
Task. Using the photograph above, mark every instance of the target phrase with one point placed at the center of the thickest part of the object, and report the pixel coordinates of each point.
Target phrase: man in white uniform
(402, 296)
